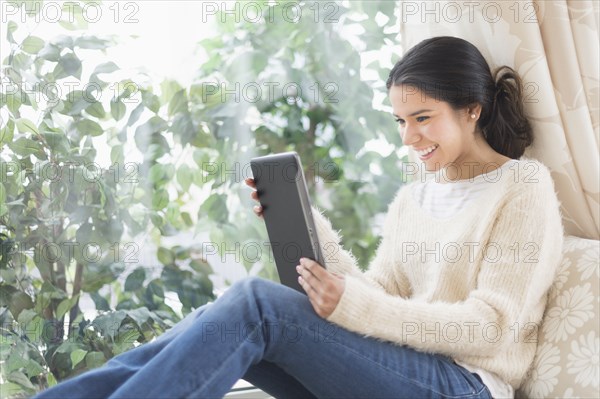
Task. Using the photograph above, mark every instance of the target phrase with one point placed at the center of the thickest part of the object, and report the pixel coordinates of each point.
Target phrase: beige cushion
(566, 364)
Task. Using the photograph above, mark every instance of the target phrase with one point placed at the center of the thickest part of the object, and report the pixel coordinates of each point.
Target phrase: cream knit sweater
(472, 287)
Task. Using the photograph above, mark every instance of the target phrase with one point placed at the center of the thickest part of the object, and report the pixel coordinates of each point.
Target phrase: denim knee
(252, 284)
(258, 289)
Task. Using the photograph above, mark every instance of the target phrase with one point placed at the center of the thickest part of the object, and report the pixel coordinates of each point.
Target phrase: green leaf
(91, 42)
(165, 256)
(34, 329)
(21, 62)
(10, 29)
(65, 306)
(13, 102)
(50, 52)
(212, 43)
(156, 173)
(57, 142)
(107, 67)
(10, 389)
(183, 128)
(88, 127)
(160, 199)
(33, 368)
(32, 44)
(7, 132)
(125, 341)
(75, 102)
(185, 177)
(72, 17)
(15, 362)
(187, 219)
(68, 65)
(24, 146)
(135, 280)
(135, 114)
(125, 88)
(19, 301)
(178, 103)
(109, 323)
(20, 378)
(116, 155)
(151, 101)
(168, 89)
(77, 356)
(63, 41)
(155, 289)
(145, 131)
(26, 126)
(2, 194)
(6, 292)
(94, 359)
(215, 207)
(96, 110)
(67, 347)
(117, 109)
(201, 266)
(100, 302)
(51, 380)
(139, 315)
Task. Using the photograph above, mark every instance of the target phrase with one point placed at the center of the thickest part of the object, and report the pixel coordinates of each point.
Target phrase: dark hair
(454, 71)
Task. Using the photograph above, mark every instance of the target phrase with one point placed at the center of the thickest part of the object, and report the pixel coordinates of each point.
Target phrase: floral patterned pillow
(567, 361)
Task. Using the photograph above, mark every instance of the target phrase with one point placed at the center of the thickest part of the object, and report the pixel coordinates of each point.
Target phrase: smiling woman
(449, 305)
(452, 111)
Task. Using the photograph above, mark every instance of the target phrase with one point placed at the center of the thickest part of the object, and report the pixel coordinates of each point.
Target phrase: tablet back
(287, 213)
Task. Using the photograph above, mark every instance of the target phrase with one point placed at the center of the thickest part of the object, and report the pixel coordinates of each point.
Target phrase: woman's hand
(254, 195)
(324, 289)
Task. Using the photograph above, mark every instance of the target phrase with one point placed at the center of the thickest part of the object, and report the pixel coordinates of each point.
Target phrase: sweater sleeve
(508, 290)
(379, 275)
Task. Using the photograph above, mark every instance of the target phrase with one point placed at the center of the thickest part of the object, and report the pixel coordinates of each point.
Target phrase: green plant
(327, 118)
(74, 228)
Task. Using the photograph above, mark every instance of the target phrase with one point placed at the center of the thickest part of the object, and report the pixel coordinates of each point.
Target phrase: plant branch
(77, 284)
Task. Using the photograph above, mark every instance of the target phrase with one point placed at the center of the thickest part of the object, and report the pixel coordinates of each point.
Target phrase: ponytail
(504, 125)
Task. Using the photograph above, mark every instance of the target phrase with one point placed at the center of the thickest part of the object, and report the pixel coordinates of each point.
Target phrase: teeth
(427, 150)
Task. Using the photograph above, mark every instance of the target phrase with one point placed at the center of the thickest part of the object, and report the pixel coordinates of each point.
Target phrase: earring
(473, 116)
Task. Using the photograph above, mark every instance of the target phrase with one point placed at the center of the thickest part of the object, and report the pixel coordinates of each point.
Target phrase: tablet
(283, 195)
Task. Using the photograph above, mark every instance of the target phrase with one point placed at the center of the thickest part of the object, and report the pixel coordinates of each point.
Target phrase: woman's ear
(474, 108)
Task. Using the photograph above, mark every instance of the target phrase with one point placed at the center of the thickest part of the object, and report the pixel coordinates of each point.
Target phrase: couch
(567, 360)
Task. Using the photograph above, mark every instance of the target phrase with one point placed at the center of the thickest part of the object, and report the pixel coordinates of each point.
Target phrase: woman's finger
(314, 268)
(304, 284)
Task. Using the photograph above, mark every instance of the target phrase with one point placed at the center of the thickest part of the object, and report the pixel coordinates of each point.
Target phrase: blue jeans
(269, 335)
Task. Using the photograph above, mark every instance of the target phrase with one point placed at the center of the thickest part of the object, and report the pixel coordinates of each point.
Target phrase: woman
(450, 305)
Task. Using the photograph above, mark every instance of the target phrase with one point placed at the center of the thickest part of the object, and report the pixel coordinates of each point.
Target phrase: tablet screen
(283, 195)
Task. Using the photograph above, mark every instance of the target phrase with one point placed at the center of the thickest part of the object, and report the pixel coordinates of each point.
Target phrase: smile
(427, 152)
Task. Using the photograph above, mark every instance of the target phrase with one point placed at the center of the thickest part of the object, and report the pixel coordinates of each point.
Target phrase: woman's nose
(409, 134)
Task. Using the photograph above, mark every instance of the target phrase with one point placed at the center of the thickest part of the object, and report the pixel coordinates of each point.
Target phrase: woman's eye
(419, 119)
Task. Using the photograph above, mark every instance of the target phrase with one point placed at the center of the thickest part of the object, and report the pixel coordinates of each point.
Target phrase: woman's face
(425, 123)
